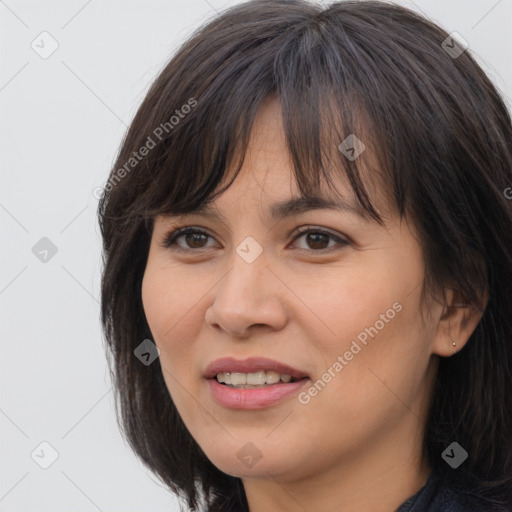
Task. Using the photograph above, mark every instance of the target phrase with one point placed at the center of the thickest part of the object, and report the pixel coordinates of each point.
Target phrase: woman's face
(341, 305)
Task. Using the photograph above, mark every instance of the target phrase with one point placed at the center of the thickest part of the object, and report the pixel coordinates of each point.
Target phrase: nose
(248, 297)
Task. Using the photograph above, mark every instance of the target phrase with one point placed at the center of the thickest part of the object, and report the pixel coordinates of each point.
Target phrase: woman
(308, 259)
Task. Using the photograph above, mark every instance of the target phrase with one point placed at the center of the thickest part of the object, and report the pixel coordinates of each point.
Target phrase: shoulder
(449, 499)
(439, 495)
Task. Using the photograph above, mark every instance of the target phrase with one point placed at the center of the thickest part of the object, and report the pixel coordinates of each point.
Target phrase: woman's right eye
(192, 236)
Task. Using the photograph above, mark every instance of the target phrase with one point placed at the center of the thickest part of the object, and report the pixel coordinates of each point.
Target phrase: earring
(454, 345)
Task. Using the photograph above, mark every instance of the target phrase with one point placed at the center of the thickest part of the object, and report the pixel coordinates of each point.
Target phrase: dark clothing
(438, 496)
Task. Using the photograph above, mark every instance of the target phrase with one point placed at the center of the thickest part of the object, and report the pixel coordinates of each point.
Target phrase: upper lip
(250, 365)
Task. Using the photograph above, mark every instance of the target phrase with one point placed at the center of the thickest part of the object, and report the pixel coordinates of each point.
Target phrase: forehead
(268, 167)
(263, 176)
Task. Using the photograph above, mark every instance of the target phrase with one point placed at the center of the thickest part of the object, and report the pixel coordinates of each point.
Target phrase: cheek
(171, 315)
(384, 359)
(156, 298)
(356, 304)
(168, 299)
(374, 320)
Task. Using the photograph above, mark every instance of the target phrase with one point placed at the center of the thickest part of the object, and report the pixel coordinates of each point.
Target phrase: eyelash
(169, 241)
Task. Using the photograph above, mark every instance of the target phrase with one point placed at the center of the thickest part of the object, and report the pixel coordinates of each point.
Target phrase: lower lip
(255, 398)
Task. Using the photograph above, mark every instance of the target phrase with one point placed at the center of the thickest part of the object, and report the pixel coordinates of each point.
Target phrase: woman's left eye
(196, 238)
(317, 237)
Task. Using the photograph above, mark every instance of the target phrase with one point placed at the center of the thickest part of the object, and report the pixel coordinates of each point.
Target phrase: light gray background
(61, 121)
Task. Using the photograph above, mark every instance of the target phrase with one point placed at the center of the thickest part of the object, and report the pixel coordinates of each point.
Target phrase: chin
(247, 462)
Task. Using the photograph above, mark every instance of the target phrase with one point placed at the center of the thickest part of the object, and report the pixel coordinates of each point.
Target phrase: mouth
(254, 371)
(252, 380)
(253, 383)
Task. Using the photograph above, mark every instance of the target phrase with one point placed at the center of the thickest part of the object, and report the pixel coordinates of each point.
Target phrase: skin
(356, 445)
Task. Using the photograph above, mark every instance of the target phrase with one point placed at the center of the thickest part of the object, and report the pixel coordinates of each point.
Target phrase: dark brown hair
(442, 138)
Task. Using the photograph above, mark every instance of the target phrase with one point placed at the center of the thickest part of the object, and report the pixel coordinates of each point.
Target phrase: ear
(456, 324)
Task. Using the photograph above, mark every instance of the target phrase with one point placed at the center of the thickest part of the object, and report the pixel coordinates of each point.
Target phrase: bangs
(327, 125)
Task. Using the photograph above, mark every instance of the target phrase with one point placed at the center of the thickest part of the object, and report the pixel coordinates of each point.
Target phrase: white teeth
(272, 377)
(238, 378)
(259, 378)
(256, 378)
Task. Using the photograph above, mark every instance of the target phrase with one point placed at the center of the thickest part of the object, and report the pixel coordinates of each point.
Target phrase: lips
(250, 365)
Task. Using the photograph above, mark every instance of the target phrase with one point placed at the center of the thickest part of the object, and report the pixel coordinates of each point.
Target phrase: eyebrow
(289, 208)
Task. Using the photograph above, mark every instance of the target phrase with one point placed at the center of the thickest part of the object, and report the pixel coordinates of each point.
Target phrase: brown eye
(193, 239)
(318, 240)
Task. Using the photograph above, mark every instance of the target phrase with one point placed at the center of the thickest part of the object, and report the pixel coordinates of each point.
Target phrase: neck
(379, 480)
